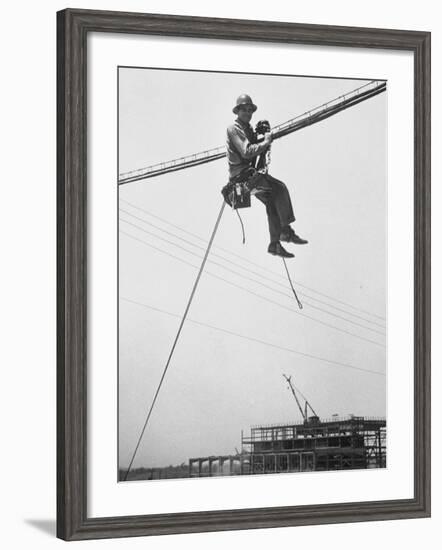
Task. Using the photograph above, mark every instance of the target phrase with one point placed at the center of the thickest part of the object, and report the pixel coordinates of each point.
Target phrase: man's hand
(268, 138)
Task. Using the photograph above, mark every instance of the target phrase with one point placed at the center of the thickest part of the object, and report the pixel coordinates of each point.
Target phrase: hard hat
(243, 99)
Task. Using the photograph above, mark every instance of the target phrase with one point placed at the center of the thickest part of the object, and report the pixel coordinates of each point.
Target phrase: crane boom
(289, 380)
(304, 413)
(308, 118)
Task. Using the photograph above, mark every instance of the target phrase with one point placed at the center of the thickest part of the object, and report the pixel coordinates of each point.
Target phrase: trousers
(275, 196)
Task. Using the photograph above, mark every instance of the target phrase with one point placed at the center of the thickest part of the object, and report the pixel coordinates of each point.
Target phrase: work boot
(289, 236)
(278, 250)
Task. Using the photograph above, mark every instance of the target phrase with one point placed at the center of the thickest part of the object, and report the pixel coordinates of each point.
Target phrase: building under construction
(315, 445)
(339, 443)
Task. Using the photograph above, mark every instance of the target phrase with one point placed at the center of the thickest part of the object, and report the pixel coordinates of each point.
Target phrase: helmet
(243, 99)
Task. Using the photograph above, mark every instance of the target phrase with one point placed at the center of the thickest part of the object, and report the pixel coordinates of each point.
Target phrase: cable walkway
(317, 114)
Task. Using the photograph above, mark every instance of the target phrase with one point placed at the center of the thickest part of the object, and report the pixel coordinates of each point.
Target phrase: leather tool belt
(237, 192)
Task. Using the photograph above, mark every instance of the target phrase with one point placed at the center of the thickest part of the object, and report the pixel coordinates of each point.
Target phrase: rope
(192, 294)
(242, 227)
(291, 284)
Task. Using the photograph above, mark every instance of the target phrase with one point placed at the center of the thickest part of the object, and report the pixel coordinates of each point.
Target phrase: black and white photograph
(219, 316)
(252, 273)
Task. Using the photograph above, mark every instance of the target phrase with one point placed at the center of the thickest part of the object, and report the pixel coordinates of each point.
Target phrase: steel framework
(353, 442)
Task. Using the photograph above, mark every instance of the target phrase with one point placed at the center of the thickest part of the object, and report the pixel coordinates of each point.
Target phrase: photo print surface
(252, 257)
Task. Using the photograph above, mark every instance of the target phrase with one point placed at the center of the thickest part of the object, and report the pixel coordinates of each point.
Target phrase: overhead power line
(162, 251)
(256, 340)
(264, 285)
(260, 275)
(247, 261)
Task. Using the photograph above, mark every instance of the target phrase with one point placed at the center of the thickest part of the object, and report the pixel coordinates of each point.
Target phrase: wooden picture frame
(73, 27)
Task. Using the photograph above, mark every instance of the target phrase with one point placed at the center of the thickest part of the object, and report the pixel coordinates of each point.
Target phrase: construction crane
(304, 411)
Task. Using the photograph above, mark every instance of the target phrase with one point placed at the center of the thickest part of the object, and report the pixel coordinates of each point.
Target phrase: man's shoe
(292, 237)
(278, 250)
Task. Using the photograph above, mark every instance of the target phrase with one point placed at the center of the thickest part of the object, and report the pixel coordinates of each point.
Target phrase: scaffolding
(317, 445)
(339, 443)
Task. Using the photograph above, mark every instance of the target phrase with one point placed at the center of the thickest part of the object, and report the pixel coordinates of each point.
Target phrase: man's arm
(246, 149)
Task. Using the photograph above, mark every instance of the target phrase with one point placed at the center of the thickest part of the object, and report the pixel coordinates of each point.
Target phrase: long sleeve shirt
(241, 149)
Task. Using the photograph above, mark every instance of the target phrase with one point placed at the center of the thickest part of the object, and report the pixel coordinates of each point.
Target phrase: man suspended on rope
(243, 149)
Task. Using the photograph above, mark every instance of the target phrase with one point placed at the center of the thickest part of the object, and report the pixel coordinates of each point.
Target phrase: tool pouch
(237, 195)
(237, 192)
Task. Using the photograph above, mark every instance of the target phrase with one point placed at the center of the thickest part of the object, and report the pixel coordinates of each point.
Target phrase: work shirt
(241, 149)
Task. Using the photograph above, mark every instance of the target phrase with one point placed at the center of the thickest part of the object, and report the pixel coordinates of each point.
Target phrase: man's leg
(272, 215)
(282, 200)
(284, 208)
(275, 229)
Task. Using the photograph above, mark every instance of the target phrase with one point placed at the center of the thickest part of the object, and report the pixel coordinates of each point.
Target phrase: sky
(228, 376)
